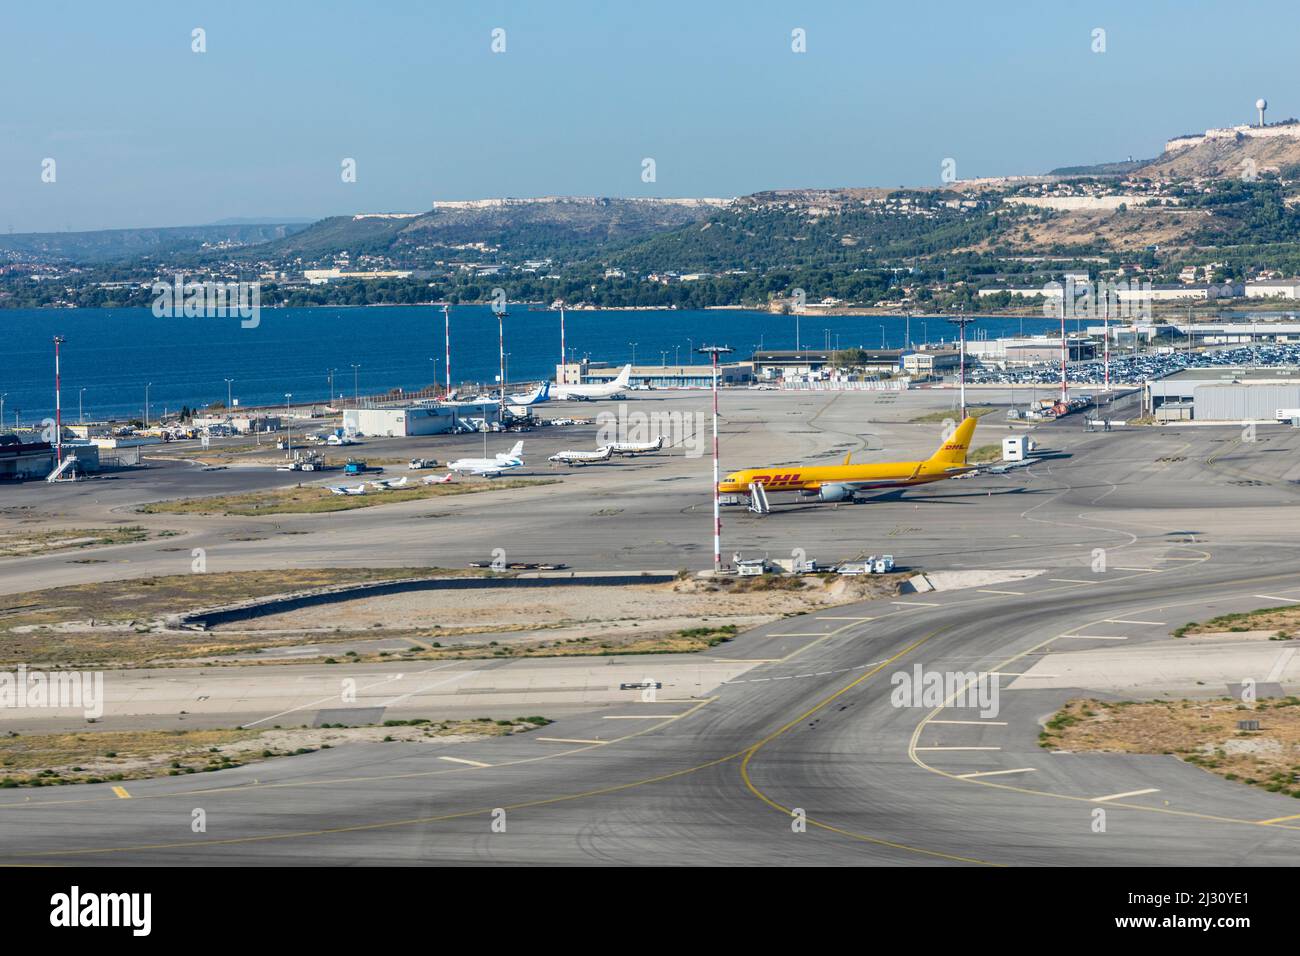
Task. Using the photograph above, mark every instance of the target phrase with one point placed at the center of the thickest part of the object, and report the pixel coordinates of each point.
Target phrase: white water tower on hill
(1261, 104)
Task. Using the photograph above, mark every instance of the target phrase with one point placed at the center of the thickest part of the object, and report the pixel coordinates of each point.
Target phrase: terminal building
(1224, 394)
(656, 376)
(788, 363)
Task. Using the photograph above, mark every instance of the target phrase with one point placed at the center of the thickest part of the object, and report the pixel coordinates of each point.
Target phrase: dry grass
(1200, 732)
(1283, 621)
(31, 543)
(316, 499)
(122, 612)
(47, 760)
(946, 414)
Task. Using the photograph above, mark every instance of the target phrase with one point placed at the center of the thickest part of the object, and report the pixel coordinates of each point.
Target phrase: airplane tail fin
(624, 376)
(953, 451)
(516, 451)
(545, 392)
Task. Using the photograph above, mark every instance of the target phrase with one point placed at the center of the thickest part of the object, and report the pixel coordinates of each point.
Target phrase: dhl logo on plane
(839, 482)
(776, 479)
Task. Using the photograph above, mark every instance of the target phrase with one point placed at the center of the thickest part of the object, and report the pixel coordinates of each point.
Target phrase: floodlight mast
(714, 351)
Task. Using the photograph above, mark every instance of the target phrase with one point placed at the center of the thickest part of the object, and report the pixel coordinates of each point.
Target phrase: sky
(144, 131)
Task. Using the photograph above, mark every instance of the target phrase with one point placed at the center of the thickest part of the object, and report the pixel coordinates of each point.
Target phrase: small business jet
(637, 447)
(490, 467)
(582, 457)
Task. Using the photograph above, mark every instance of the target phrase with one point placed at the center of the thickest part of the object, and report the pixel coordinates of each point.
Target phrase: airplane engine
(834, 493)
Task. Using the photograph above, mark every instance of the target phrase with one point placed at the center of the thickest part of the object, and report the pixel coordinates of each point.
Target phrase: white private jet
(585, 393)
(582, 457)
(542, 393)
(490, 467)
(637, 447)
(343, 490)
(435, 480)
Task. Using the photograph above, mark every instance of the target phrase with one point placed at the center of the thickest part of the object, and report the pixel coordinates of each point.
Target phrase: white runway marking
(1091, 637)
(994, 773)
(1130, 793)
(915, 603)
(958, 748)
(640, 716)
(568, 740)
(1283, 659)
(1274, 597)
(472, 763)
(1120, 620)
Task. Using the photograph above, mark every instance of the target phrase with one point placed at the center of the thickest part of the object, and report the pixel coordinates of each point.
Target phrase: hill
(512, 228)
(114, 245)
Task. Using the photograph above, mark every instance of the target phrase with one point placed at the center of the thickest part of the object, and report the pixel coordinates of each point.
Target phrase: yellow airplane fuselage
(947, 461)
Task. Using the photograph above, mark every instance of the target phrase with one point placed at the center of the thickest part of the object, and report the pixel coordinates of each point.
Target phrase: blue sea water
(113, 353)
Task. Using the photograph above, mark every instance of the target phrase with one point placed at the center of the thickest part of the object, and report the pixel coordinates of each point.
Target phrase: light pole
(633, 344)
(356, 389)
(58, 404)
(229, 400)
(330, 399)
(961, 322)
(446, 322)
(81, 415)
(2, 409)
(563, 361)
(714, 351)
(288, 427)
(501, 358)
(1065, 384)
(146, 404)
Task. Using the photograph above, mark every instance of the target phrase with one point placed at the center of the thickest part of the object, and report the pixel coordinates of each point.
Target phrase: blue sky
(145, 132)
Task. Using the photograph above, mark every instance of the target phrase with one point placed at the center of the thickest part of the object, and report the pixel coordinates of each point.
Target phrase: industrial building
(932, 362)
(1030, 350)
(786, 363)
(1224, 394)
(421, 419)
(656, 376)
(22, 459)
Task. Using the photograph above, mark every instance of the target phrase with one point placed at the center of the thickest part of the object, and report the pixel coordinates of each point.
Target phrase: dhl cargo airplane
(842, 482)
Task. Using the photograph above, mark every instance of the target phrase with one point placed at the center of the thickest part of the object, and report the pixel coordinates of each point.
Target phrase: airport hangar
(421, 418)
(1224, 394)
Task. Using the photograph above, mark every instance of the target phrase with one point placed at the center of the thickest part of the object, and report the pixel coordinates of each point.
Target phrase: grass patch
(1283, 621)
(49, 760)
(1199, 732)
(943, 415)
(108, 622)
(984, 453)
(318, 499)
(29, 543)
